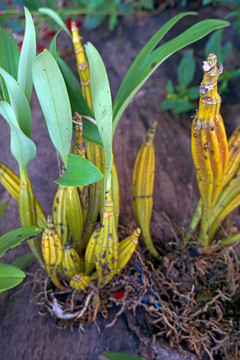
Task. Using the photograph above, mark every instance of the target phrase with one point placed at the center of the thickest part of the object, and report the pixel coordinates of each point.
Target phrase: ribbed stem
(27, 211)
(195, 221)
(209, 145)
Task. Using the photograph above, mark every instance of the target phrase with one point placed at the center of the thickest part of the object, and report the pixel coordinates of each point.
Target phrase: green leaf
(53, 15)
(27, 55)
(102, 105)
(19, 103)
(3, 208)
(223, 88)
(207, 2)
(182, 105)
(80, 172)
(32, 4)
(170, 87)
(78, 103)
(226, 51)
(186, 69)
(121, 356)
(225, 77)
(213, 45)
(74, 90)
(95, 4)
(126, 9)
(9, 58)
(53, 97)
(146, 4)
(193, 93)
(146, 50)
(157, 57)
(167, 104)
(93, 21)
(229, 75)
(3, 90)
(112, 22)
(51, 3)
(9, 54)
(22, 262)
(15, 237)
(10, 276)
(22, 147)
(53, 45)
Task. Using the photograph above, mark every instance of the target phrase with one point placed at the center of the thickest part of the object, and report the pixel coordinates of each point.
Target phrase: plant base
(190, 300)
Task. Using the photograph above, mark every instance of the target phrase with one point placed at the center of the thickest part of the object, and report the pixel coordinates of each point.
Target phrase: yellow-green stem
(231, 240)
(27, 211)
(195, 221)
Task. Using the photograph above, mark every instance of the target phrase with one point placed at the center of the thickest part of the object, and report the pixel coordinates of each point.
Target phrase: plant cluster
(71, 246)
(94, 12)
(80, 246)
(180, 98)
(216, 161)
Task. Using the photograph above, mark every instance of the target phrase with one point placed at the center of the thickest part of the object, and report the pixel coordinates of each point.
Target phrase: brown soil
(23, 333)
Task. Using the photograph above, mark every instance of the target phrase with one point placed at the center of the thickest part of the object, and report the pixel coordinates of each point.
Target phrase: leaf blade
(53, 45)
(15, 237)
(213, 44)
(3, 208)
(102, 105)
(159, 55)
(147, 49)
(93, 21)
(27, 55)
(53, 97)
(121, 356)
(78, 103)
(193, 93)
(80, 172)
(22, 262)
(22, 147)
(9, 58)
(54, 16)
(9, 55)
(18, 102)
(10, 276)
(186, 69)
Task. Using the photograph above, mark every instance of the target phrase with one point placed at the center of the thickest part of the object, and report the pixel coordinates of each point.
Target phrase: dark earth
(24, 334)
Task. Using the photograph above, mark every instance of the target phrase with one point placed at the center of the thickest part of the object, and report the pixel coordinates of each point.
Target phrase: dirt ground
(23, 333)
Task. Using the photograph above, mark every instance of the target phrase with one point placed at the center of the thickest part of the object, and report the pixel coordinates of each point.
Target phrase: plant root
(189, 299)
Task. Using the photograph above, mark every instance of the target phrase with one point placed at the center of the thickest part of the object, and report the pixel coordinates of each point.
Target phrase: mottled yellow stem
(209, 144)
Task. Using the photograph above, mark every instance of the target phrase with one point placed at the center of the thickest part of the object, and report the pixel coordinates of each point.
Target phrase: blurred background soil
(23, 333)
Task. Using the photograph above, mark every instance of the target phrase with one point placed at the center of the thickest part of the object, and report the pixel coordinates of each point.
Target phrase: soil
(23, 333)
